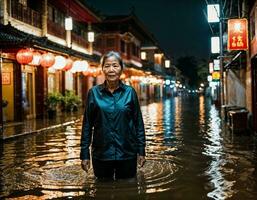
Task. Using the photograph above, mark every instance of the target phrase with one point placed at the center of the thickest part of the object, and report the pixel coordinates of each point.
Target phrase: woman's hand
(85, 164)
(141, 161)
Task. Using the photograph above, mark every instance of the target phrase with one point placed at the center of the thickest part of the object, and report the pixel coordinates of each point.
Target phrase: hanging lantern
(99, 71)
(75, 66)
(68, 24)
(84, 66)
(91, 36)
(79, 66)
(123, 76)
(47, 60)
(24, 56)
(85, 73)
(68, 65)
(36, 59)
(60, 62)
(94, 72)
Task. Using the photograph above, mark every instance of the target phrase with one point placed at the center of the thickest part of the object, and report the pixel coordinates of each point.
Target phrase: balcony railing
(26, 15)
(79, 40)
(56, 29)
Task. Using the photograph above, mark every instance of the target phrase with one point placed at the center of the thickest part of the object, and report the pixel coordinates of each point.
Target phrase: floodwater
(189, 156)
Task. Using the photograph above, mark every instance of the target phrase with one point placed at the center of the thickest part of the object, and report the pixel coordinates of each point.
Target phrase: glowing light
(167, 82)
(167, 63)
(143, 55)
(60, 62)
(68, 24)
(91, 36)
(215, 44)
(36, 59)
(24, 56)
(213, 11)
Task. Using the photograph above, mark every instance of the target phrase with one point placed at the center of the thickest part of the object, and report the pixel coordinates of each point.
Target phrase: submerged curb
(41, 130)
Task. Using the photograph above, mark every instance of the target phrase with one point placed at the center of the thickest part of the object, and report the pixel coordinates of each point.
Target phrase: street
(190, 155)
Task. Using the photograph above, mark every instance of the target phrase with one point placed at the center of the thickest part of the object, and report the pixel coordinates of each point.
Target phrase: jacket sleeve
(87, 126)
(139, 125)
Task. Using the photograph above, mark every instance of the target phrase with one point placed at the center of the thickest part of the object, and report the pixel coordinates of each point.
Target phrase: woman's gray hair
(112, 54)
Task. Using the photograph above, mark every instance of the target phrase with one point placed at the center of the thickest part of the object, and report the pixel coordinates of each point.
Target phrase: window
(110, 42)
(98, 43)
(50, 13)
(51, 82)
(56, 16)
(135, 50)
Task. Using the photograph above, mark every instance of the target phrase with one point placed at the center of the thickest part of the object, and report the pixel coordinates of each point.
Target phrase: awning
(11, 38)
(238, 61)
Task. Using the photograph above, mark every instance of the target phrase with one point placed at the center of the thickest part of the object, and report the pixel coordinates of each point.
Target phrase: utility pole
(221, 54)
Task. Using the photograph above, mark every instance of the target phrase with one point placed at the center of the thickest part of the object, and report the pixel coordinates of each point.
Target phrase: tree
(189, 66)
(202, 71)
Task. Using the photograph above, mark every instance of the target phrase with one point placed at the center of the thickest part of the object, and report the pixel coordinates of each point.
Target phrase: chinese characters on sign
(6, 78)
(237, 34)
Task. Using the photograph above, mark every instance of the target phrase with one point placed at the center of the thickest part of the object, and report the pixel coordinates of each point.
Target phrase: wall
(7, 90)
(235, 90)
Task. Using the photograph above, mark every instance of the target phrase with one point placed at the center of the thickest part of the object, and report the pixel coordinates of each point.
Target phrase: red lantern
(85, 73)
(47, 60)
(24, 56)
(69, 63)
(94, 72)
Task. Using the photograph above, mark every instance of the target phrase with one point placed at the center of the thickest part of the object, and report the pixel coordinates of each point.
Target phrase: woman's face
(112, 69)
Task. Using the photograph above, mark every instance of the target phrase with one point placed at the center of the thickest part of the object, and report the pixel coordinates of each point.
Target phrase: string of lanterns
(31, 57)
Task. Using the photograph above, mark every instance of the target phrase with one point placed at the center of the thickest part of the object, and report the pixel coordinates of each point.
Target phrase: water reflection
(222, 187)
(189, 156)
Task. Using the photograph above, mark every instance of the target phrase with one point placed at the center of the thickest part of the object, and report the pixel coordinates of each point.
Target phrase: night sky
(180, 26)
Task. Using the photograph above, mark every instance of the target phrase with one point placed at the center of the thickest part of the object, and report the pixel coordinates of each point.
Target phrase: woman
(113, 121)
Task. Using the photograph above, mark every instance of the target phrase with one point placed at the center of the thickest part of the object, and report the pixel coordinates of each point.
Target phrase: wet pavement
(34, 126)
(189, 156)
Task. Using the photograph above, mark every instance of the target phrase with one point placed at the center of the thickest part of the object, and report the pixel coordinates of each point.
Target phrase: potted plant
(71, 101)
(52, 101)
(4, 103)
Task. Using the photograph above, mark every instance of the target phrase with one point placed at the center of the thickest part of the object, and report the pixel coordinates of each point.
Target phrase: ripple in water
(155, 176)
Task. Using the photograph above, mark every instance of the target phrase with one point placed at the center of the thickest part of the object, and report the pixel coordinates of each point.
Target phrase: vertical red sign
(237, 34)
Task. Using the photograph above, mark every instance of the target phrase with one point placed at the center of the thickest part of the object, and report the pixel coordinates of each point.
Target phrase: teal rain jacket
(114, 124)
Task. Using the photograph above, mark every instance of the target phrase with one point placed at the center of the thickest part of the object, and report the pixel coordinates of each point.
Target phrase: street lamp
(215, 15)
(215, 45)
(213, 11)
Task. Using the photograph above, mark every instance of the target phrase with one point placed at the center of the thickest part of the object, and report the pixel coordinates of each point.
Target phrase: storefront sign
(216, 64)
(237, 34)
(215, 76)
(210, 67)
(6, 78)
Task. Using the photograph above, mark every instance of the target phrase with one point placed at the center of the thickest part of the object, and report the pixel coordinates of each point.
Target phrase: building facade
(39, 28)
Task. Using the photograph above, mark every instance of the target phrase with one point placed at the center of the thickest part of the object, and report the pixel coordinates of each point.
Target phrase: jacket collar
(104, 87)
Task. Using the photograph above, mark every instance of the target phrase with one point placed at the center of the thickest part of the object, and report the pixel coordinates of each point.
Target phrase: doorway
(28, 92)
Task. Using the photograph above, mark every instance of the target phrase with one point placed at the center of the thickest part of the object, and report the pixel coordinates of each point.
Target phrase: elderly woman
(114, 125)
